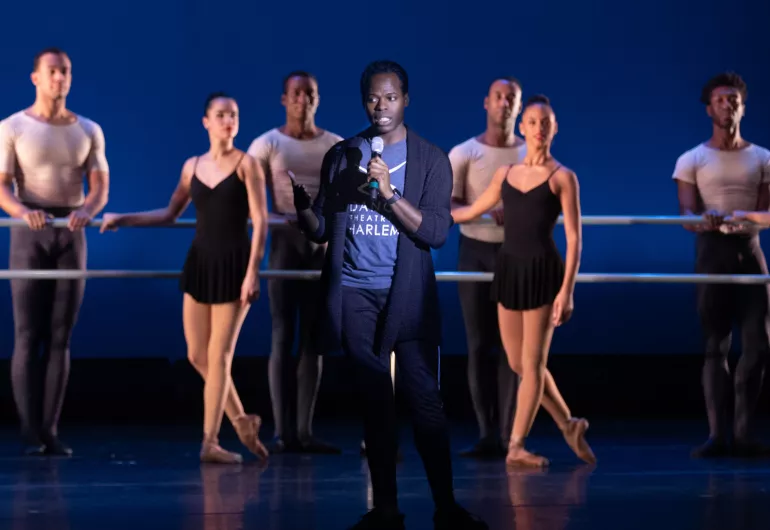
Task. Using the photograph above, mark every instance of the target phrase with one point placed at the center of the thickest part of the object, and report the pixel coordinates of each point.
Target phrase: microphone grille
(377, 145)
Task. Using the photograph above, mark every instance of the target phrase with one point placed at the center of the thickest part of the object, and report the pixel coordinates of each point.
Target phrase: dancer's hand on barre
(563, 306)
(36, 219)
(250, 288)
(78, 220)
(714, 219)
(760, 218)
(110, 222)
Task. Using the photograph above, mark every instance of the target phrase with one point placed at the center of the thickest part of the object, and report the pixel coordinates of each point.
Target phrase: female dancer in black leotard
(221, 274)
(532, 288)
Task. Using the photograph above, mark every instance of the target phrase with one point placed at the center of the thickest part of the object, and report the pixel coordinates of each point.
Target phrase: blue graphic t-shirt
(370, 245)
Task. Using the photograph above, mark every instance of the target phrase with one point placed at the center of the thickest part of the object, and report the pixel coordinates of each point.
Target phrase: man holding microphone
(379, 286)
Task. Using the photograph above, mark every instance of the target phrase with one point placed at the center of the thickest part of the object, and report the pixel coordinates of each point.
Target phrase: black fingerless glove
(301, 197)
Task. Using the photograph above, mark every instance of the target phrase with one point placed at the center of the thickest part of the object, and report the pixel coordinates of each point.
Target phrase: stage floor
(124, 478)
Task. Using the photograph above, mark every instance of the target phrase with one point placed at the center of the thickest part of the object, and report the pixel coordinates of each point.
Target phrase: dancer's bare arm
(486, 200)
(179, 201)
(256, 189)
(569, 195)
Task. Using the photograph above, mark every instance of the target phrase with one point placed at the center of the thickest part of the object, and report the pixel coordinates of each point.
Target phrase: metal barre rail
(450, 276)
(607, 220)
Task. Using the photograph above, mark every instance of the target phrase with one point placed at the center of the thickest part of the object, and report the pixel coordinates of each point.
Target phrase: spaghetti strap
(243, 155)
(508, 172)
(195, 165)
(553, 172)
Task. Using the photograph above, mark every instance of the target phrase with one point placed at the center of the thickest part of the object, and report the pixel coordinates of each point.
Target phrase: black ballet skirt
(528, 268)
(527, 282)
(218, 258)
(215, 276)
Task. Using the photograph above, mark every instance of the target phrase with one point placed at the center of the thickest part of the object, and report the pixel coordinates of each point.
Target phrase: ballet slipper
(575, 436)
(247, 427)
(212, 453)
(520, 457)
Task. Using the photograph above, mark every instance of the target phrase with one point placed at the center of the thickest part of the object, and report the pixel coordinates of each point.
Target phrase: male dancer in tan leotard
(714, 179)
(294, 150)
(46, 151)
(491, 381)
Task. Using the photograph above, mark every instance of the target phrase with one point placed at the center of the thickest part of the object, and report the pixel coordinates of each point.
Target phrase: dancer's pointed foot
(575, 436)
(247, 427)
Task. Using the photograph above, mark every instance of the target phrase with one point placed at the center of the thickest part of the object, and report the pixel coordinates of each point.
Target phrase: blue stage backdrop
(624, 79)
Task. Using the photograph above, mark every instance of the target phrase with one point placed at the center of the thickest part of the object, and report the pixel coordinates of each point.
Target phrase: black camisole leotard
(529, 269)
(216, 263)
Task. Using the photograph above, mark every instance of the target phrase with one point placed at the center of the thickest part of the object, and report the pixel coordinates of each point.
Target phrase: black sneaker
(457, 518)
(316, 446)
(278, 445)
(713, 448)
(379, 520)
(55, 447)
(489, 447)
(750, 449)
(33, 449)
(32, 445)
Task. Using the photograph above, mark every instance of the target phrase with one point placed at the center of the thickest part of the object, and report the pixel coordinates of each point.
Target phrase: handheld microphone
(377, 147)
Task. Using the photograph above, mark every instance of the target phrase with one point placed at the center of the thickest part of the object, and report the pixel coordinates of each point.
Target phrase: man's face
(301, 97)
(385, 103)
(53, 76)
(503, 103)
(726, 107)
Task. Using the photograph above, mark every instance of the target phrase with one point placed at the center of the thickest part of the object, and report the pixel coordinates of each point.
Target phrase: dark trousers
(293, 387)
(720, 306)
(492, 383)
(418, 366)
(44, 314)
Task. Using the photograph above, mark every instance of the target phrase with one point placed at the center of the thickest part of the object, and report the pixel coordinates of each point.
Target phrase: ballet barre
(607, 220)
(447, 276)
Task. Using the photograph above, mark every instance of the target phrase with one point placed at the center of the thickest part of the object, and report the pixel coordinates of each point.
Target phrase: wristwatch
(396, 196)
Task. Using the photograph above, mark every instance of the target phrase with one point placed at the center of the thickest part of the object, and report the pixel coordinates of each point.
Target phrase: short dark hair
(39, 55)
(383, 67)
(725, 79)
(508, 78)
(537, 99)
(297, 73)
(211, 97)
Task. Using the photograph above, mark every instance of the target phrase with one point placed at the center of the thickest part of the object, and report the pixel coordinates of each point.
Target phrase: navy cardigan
(412, 311)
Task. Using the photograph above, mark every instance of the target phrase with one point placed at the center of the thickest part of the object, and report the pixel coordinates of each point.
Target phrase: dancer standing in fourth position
(531, 286)
(221, 275)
